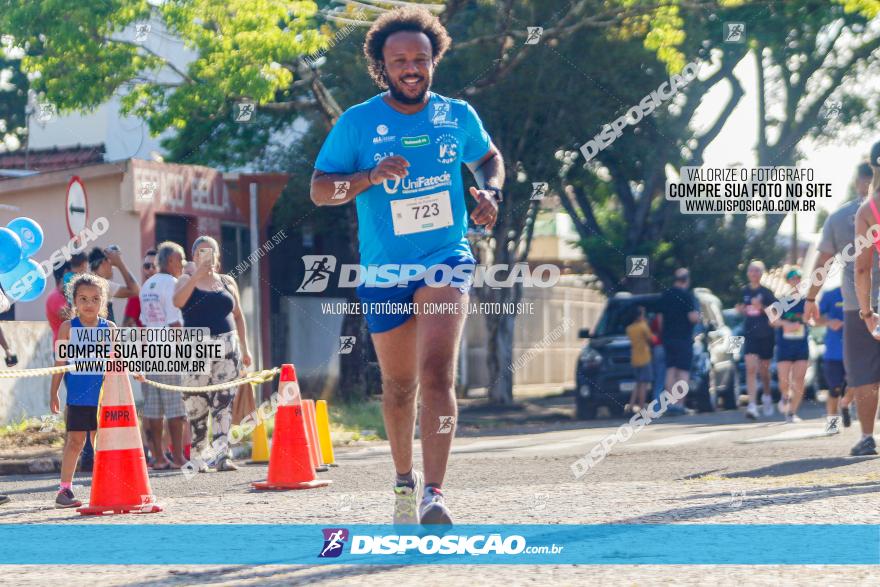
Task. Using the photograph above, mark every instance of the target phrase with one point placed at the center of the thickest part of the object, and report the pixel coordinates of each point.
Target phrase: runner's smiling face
(409, 66)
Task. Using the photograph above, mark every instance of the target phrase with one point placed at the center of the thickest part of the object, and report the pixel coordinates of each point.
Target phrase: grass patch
(362, 420)
(32, 432)
(349, 422)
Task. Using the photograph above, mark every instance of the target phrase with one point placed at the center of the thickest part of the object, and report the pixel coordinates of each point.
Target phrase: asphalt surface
(715, 468)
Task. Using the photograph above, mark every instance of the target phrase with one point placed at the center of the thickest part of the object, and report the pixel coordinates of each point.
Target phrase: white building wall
(123, 137)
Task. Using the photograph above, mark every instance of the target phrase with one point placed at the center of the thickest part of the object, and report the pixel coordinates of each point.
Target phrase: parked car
(815, 377)
(604, 376)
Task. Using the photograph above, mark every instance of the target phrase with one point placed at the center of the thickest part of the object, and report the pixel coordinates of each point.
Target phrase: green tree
(13, 100)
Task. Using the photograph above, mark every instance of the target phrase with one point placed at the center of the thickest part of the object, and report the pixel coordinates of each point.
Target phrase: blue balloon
(10, 250)
(24, 283)
(30, 233)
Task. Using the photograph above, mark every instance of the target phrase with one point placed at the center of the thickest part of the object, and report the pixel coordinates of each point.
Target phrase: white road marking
(681, 439)
(791, 434)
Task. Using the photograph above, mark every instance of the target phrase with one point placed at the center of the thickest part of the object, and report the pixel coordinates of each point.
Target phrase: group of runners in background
(851, 362)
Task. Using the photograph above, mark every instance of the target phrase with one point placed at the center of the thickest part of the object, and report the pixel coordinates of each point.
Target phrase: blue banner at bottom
(600, 544)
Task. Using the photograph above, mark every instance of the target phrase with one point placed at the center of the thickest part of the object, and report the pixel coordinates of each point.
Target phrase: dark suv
(604, 376)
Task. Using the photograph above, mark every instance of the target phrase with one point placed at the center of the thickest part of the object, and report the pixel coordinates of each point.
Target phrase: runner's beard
(400, 95)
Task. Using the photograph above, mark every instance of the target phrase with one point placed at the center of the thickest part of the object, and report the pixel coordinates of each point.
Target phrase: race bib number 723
(421, 214)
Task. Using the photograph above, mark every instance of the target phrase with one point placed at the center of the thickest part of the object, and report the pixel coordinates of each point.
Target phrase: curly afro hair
(412, 19)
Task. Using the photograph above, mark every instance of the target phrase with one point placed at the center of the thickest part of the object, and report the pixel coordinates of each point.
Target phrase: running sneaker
(782, 406)
(864, 447)
(226, 464)
(204, 467)
(767, 400)
(795, 419)
(406, 501)
(846, 416)
(832, 425)
(752, 412)
(677, 410)
(65, 499)
(433, 509)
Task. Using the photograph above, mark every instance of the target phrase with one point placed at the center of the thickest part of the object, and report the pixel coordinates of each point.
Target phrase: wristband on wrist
(499, 195)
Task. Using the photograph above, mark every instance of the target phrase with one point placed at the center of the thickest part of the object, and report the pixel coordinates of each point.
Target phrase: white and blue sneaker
(433, 509)
(406, 501)
(767, 400)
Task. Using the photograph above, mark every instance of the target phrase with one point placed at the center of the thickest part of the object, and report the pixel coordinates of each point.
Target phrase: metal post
(257, 321)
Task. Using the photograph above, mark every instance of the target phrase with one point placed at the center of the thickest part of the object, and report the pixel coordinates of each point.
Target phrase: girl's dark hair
(412, 19)
(88, 279)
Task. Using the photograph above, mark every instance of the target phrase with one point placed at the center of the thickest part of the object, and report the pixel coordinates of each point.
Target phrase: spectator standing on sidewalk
(101, 263)
(640, 339)
(132, 316)
(681, 311)
(79, 263)
(658, 355)
(210, 300)
(158, 311)
(57, 308)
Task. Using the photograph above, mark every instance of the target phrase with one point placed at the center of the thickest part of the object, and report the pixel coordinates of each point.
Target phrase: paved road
(703, 469)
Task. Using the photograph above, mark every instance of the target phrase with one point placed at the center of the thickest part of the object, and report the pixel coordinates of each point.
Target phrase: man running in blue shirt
(398, 156)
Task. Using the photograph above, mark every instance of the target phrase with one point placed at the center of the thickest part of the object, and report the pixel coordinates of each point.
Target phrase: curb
(30, 466)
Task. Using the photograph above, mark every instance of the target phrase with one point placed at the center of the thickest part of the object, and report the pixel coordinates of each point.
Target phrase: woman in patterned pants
(210, 300)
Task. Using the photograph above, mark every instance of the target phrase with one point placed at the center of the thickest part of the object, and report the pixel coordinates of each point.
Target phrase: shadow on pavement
(215, 575)
(798, 466)
(741, 502)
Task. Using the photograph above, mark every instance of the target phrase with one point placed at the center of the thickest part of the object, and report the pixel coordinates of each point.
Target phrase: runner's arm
(810, 308)
(488, 170)
(864, 261)
(324, 190)
(323, 186)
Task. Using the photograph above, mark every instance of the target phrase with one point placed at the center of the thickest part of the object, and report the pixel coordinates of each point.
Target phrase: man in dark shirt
(680, 310)
(759, 339)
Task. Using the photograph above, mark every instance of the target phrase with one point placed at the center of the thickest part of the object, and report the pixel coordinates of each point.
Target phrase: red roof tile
(53, 159)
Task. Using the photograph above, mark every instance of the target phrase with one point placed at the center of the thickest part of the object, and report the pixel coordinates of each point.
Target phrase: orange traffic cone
(119, 478)
(290, 461)
(312, 435)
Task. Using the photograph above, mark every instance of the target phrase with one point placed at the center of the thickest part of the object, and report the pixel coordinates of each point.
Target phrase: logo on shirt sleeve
(441, 115)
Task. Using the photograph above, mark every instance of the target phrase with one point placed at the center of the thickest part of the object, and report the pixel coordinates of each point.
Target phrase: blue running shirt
(83, 389)
(435, 141)
(831, 307)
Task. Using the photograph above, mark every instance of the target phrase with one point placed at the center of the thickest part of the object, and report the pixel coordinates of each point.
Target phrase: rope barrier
(263, 376)
(35, 372)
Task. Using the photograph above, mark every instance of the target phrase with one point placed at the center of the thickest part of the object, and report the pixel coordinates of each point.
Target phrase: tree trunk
(358, 372)
(501, 332)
